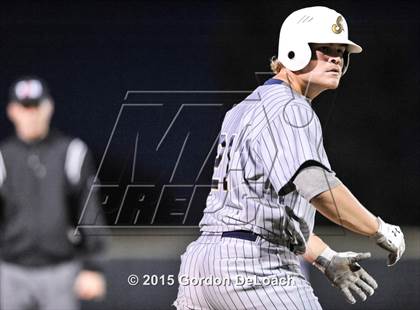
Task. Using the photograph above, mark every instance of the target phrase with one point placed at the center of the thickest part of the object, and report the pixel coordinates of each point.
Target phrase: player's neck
(31, 137)
(304, 88)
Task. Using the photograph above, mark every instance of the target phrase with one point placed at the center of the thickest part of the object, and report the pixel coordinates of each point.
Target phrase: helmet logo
(338, 26)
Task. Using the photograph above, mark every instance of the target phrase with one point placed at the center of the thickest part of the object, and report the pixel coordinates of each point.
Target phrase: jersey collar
(277, 81)
(273, 81)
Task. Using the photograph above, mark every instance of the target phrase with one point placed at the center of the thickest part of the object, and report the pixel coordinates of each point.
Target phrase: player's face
(31, 123)
(326, 65)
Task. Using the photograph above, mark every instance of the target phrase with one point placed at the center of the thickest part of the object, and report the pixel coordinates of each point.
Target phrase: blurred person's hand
(90, 285)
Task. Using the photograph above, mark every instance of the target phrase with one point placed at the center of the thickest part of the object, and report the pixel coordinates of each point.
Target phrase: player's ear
(49, 108)
(12, 110)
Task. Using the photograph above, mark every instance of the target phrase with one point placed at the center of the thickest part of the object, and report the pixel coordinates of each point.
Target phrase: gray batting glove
(344, 272)
(390, 238)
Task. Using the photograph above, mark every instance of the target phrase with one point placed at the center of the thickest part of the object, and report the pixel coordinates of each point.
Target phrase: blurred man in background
(45, 179)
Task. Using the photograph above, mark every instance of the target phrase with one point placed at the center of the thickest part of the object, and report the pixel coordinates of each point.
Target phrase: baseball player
(271, 174)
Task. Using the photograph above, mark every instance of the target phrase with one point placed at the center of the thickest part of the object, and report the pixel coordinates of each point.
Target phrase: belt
(240, 234)
(251, 236)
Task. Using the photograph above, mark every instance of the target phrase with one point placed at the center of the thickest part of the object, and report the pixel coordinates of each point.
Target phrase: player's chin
(332, 83)
(335, 86)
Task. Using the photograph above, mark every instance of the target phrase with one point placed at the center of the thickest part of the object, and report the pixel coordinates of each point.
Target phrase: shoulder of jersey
(271, 102)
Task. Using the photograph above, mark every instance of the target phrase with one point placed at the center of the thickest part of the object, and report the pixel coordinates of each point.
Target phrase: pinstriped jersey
(263, 142)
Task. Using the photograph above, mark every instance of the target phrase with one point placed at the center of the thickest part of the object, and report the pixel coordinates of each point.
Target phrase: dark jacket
(43, 190)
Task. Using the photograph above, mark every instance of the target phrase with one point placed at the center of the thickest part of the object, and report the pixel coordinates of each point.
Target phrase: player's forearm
(341, 207)
(315, 246)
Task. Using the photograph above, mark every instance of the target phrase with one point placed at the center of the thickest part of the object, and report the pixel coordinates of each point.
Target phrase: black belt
(240, 234)
(249, 235)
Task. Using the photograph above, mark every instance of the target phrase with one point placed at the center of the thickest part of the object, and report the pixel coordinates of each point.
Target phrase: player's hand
(390, 238)
(344, 272)
(90, 285)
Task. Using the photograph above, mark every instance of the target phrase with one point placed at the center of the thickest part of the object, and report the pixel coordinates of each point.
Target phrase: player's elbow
(322, 198)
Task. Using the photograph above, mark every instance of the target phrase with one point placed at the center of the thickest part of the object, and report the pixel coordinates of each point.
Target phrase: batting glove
(390, 238)
(344, 272)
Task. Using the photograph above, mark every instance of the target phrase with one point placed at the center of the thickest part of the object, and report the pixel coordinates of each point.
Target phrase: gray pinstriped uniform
(264, 141)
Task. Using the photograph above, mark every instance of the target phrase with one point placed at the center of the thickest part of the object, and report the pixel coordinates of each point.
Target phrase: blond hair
(275, 65)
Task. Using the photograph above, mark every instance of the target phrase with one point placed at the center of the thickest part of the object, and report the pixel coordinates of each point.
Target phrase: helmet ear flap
(294, 55)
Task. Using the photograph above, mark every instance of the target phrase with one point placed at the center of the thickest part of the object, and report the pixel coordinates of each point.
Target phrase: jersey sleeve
(3, 172)
(3, 175)
(80, 171)
(291, 141)
(312, 181)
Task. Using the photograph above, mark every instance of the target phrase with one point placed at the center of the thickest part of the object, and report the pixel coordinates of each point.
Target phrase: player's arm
(333, 200)
(342, 269)
(90, 282)
(314, 247)
(340, 206)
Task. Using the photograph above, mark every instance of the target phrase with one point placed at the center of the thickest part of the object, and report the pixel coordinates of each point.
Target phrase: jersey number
(223, 157)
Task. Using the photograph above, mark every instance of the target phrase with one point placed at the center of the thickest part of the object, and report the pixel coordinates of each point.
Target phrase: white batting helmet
(316, 24)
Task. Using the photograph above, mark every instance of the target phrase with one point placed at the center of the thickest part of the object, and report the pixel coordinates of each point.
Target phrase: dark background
(92, 53)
